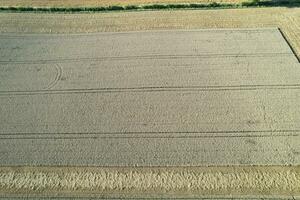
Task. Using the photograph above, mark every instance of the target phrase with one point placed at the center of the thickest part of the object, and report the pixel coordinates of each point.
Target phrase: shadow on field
(273, 3)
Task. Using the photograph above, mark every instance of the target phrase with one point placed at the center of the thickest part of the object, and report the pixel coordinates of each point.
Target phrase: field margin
(194, 6)
(146, 181)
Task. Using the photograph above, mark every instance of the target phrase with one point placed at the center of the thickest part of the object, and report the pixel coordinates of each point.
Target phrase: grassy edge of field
(213, 5)
(144, 181)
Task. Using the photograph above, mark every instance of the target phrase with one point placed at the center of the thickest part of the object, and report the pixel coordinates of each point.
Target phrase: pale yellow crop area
(188, 182)
(150, 182)
(287, 19)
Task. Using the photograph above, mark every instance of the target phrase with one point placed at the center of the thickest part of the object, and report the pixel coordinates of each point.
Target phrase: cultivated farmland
(157, 104)
(284, 18)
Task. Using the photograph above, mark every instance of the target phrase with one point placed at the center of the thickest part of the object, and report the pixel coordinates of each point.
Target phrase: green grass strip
(214, 5)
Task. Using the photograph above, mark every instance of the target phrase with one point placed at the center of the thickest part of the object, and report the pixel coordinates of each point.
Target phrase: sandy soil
(284, 18)
(91, 3)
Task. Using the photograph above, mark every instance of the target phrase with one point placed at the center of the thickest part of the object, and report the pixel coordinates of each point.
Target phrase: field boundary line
(156, 6)
(289, 44)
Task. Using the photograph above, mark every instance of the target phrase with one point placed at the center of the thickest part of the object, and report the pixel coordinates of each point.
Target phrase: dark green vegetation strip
(119, 8)
(254, 3)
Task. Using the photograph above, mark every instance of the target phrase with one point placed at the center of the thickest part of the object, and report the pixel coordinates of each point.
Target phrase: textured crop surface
(284, 18)
(152, 182)
(154, 98)
(119, 101)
